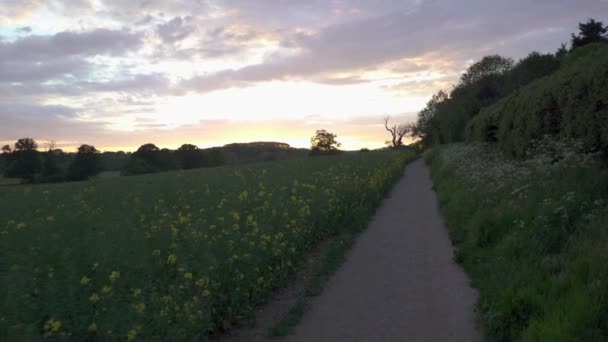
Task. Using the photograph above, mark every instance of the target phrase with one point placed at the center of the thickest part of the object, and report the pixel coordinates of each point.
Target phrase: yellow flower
(21, 225)
(50, 218)
(92, 328)
(260, 280)
(85, 280)
(156, 252)
(52, 326)
(188, 276)
(206, 293)
(171, 259)
(132, 334)
(106, 290)
(94, 298)
(114, 276)
(140, 307)
(136, 292)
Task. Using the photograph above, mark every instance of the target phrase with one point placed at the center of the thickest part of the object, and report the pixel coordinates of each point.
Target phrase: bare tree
(50, 146)
(397, 132)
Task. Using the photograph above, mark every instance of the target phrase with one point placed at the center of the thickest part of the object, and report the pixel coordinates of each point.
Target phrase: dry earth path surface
(400, 282)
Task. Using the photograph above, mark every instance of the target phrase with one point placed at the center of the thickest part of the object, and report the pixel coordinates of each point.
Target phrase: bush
(531, 234)
(570, 104)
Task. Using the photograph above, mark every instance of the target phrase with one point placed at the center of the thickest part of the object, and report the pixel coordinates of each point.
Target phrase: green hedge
(572, 103)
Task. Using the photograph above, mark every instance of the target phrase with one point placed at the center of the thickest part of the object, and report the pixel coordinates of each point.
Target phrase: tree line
(449, 116)
(24, 161)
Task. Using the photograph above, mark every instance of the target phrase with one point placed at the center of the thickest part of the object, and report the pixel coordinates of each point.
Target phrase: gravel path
(399, 282)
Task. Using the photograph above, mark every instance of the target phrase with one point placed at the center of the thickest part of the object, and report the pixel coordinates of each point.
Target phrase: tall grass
(533, 236)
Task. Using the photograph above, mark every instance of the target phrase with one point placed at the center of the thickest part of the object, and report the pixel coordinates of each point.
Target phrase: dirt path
(399, 282)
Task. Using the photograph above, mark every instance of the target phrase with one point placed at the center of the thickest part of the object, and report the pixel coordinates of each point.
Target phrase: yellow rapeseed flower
(85, 280)
(94, 298)
(136, 292)
(92, 328)
(171, 259)
(114, 276)
(132, 334)
(188, 276)
(106, 290)
(52, 326)
(140, 307)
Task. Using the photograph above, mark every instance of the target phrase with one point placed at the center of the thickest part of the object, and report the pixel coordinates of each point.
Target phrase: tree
(189, 156)
(397, 133)
(426, 125)
(26, 144)
(6, 149)
(24, 161)
(590, 32)
(488, 66)
(562, 52)
(324, 142)
(86, 163)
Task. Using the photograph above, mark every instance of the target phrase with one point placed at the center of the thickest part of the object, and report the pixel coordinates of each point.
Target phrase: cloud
(440, 27)
(23, 72)
(70, 44)
(175, 29)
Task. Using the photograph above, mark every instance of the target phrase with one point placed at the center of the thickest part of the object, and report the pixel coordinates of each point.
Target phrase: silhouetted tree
(149, 159)
(426, 128)
(50, 167)
(189, 156)
(86, 163)
(324, 142)
(24, 161)
(6, 149)
(562, 51)
(590, 32)
(488, 66)
(26, 144)
(397, 133)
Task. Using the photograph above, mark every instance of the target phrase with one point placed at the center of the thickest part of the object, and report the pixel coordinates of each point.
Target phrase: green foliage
(590, 32)
(189, 157)
(150, 159)
(531, 234)
(488, 66)
(24, 161)
(324, 142)
(173, 256)
(86, 164)
(569, 104)
(446, 117)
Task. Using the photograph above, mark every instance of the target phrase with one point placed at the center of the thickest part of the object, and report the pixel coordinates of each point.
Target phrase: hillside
(518, 154)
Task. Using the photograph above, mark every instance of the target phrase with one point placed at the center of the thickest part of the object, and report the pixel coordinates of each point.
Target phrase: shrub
(570, 104)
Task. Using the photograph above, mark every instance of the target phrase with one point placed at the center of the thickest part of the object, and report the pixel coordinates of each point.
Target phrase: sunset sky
(118, 73)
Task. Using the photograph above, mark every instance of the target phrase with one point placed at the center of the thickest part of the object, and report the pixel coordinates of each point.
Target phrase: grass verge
(532, 236)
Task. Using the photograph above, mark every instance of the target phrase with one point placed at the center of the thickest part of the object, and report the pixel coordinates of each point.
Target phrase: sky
(118, 74)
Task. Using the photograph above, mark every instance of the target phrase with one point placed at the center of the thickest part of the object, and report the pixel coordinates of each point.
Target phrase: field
(172, 256)
(532, 236)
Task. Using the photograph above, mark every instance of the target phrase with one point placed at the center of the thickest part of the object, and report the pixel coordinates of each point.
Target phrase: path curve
(400, 282)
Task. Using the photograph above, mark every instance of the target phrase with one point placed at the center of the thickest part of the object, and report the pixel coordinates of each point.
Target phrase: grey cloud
(456, 28)
(24, 29)
(18, 71)
(175, 29)
(46, 122)
(138, 83)
(68, 43)
(144, 84)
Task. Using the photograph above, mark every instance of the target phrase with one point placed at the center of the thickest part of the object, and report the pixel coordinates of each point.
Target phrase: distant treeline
(564, 95)
(26, 162)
